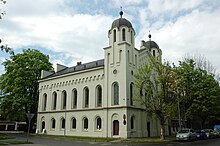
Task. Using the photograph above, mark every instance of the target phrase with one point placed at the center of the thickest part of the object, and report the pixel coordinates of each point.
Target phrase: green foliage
(199, 92)
(19, 84)
(155, 83)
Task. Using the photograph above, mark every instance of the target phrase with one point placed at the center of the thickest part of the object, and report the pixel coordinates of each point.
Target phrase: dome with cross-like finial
(121, 22)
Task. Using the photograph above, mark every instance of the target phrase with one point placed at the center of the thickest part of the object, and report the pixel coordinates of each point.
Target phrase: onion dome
(151, 44)
(121, 22)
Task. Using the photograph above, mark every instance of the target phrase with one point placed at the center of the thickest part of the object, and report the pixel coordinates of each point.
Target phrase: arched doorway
(115, 127)
(43, 126)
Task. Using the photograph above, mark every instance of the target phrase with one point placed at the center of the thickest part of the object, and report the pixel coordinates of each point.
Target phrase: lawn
(9, 142)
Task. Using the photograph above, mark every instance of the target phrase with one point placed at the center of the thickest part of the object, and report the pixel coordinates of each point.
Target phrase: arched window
(74, 98)
(123, 34)
(85, 124)
(128, 57)
(116, 93)
(154, 53)
(73, 123)
(54, 100)
(53, 123)
(86, 97)
(114, 35)
(131, 37)
(64, 98)
(120, 54)
(99, 95)
(63, 123)
(135, 60)
(132, 122)
(131, 94)
(98, 123)
(44, 101)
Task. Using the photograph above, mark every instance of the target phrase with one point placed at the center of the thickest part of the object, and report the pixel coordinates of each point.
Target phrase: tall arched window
(74, 98)
(115, 93)
(63, 123)
(85, 124)
(54, 100)
(98, 123)
(131, 94)
(64, 98)
(132, 122)
(123, 34)
(128, 56)
(86, 97)
(114, 35)
(44, 102)
(99, 95)
(154, 53)
(73, 123)
(53, 123)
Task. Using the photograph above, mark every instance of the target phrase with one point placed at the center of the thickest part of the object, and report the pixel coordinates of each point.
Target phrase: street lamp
(64, 114)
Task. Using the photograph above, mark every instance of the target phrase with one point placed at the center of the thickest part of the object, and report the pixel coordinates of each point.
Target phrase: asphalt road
(49, 141)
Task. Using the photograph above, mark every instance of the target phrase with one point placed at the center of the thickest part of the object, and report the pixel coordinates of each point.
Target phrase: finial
(121, 12)
(149, 36)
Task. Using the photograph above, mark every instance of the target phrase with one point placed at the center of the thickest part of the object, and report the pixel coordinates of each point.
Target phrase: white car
(186, 134)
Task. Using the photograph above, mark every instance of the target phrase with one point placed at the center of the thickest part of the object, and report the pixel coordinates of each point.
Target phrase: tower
(152, 48)
(120, 62)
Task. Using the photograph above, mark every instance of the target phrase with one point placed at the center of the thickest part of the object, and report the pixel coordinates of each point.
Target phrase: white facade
(95, 99)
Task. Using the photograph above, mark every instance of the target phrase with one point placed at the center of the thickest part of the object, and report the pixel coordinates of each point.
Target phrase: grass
(150, 139)
(103, 139)
(14, 142)
(81, 137)
(5, 136)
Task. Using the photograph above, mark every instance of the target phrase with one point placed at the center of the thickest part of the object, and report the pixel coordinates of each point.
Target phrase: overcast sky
(77, 30)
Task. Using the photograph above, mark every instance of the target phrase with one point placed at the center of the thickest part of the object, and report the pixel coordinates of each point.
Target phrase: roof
(121, 22)
(151, 44)
(76, 68)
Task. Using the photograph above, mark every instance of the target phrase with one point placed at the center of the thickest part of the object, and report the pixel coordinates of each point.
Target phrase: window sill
(98, 130)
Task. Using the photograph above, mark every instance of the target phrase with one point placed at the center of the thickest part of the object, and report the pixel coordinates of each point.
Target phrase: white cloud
(195, 33)
(179, 27)
(79, 35)
(171, 7)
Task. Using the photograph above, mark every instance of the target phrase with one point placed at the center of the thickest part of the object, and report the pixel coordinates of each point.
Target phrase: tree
(19, 84)
(199, 92)
(155, 83)
(201, 62)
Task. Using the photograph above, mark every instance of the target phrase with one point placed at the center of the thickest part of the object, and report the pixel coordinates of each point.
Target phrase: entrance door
(43, 126)
(115, 127)
(148, 128)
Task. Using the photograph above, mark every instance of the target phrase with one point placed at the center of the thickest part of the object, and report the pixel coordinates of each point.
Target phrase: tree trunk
(162, 137)
(162, 129)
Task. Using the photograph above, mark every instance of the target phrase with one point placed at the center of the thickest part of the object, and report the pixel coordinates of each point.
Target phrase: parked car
(201, 134)
(186, 134)
(216, 133)
(209, 133)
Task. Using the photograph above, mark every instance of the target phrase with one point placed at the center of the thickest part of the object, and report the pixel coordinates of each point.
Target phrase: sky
(77, 30)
